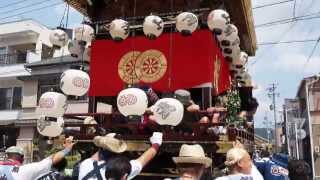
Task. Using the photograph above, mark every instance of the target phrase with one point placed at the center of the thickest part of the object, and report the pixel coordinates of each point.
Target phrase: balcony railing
(17, 58)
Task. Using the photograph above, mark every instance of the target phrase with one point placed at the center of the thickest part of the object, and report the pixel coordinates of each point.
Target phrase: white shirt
(256, 174)
(87, 165)
(33, 170)
(236, 177)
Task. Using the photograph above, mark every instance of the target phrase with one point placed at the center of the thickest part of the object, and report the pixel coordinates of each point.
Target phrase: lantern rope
(170, 49)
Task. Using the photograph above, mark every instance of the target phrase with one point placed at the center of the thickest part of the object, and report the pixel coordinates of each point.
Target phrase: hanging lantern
(235, 54)
(119, 29)
(246, 80)
(76, 48)
(132, 101)
(239, 74)
(232, 68)
(50, 128)
(168, 111)
(241, 61)
(52, 104)
(229, 35)
(153, 26)
(186, 23)
(84, 33)
(74, 82)
(218, 20)
(58, 37)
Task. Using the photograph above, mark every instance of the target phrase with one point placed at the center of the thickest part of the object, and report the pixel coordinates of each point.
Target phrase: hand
(156, 138)
(68, 143)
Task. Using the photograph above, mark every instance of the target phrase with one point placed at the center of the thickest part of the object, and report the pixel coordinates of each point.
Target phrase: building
(29, 66)
(308, 96)
(22, 42)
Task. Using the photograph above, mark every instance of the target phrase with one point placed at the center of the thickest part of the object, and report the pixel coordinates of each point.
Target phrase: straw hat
(193, 154)
(110, 143)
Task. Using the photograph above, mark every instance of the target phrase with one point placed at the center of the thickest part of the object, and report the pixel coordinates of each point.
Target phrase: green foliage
(231, 100)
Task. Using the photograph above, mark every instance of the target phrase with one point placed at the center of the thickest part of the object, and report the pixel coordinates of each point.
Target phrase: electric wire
(32, 10)
(288, 42)
(311, 54)
(272, 4)
(12, 4)
(289, 20)
(294, 8)
(27, 6)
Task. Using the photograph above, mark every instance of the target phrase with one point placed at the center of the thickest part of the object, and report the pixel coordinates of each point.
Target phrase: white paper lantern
(186, 23)
(153, 26)
(58, 37)
(84, 33)
(52, 104)
(132, 101)
(50, 128)
(76, 48)
(229, 36)
(168, 111)
(119, 29)
(246, 81)
(74, 82)
(218, 20)
(241, 61)
(235, 54)
(239, 74)
(232, 68)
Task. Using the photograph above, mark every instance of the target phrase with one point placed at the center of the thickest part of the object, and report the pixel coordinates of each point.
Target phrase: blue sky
(282, 64)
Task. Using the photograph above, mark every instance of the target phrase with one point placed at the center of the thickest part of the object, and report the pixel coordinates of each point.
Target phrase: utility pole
(273, 94)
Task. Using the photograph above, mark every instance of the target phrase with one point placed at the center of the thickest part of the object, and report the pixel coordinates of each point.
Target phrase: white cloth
(33, 170)
(156, 138)
(256, 174)
(236, 177)
(87, 165)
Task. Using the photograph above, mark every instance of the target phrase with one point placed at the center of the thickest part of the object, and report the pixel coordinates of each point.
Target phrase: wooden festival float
(198, 50)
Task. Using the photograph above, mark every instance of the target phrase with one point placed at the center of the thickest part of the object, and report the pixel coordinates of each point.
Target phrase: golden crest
(151, 66)
(126, 67)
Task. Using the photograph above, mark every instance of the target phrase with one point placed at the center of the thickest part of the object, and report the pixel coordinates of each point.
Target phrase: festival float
(172, 66)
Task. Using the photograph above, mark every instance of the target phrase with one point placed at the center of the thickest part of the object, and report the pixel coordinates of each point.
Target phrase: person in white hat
(191, 162)
(12, 168)
(94, 168)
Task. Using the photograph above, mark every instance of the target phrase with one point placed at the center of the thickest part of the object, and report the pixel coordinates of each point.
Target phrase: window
(10, 98)
(3, 51)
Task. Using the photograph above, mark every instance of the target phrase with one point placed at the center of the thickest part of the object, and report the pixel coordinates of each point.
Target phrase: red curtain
(190, 61)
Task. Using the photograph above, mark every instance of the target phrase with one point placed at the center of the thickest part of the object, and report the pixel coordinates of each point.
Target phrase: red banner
(167, 63)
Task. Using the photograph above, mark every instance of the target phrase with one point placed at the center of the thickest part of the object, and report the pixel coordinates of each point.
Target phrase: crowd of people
(108, 163)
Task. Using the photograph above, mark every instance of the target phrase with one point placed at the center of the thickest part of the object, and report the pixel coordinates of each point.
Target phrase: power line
(32, 10)
(23, 7)
(12, 4)
(272, 4)
(288, 20)
(288, 42)
(294, 8)
(311, 54)
(281, 37)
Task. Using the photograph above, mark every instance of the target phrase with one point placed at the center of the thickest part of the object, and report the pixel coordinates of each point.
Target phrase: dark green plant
(231, 100)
